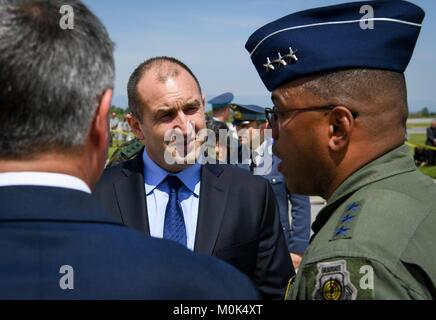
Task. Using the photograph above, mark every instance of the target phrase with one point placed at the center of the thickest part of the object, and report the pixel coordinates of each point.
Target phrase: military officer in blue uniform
(250, 121)
(222, 111)
(339, 125)
(221, 104)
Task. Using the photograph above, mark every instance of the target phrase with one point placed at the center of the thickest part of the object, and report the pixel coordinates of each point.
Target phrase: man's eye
(192, 109)
(164, 116)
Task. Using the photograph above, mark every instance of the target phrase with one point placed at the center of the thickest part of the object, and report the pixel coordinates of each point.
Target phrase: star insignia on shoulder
(342, 231)
(347, 218)
(353, 207)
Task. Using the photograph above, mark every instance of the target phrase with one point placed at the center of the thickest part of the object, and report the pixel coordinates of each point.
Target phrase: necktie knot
(174, 183)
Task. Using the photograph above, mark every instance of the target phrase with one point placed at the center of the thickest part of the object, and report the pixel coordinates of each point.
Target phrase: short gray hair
(51, 80)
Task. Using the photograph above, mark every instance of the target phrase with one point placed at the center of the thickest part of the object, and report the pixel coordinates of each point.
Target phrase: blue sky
(209, 36)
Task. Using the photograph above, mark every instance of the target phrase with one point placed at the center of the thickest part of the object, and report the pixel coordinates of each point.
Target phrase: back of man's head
(52, 76)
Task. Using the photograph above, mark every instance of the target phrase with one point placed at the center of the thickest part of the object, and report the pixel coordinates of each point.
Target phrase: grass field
(111, 150)
(429, 171)
(418, 125)
(419, 138)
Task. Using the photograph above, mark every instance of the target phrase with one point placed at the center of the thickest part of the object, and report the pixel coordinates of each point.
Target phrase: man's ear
(341, 124)
(135, 125)
(99, 132)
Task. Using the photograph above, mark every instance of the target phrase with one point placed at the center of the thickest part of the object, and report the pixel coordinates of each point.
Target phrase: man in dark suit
(220, 210)
(56, 242)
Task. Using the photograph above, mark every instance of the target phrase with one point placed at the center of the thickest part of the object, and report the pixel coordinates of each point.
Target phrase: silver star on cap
(280, 60)
(269, 65)
(292, 55)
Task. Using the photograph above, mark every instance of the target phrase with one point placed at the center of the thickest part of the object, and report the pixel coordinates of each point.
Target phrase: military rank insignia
(347, 222)
(125, 152)
(333, 282)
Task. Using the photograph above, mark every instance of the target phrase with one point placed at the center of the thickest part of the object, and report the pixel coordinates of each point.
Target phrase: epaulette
(125, 152)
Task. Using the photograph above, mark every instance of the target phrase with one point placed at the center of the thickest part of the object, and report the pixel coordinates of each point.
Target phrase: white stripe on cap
(333, 22)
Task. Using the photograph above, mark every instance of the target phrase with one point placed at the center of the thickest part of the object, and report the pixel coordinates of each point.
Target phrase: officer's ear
(135, 125)
(96, 146)
(99, 131)
(341, 123)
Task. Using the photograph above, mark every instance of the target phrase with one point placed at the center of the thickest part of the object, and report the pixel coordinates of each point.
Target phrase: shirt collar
(154, 175)
(43, 179)
(392, 163)
(395, 162)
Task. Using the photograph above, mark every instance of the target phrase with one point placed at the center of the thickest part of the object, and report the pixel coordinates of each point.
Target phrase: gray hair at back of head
(51, 79)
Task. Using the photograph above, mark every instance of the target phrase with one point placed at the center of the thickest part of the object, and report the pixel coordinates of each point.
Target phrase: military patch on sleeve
(347, 222)
(333, 282)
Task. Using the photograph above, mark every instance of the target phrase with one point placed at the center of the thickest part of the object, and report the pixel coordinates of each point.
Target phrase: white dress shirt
(262, 157)
(43, 179)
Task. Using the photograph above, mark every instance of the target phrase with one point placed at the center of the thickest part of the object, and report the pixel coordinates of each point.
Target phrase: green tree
(119, 111)
(425, 112)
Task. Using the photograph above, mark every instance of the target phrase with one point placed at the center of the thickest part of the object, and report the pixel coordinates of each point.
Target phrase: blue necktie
(174, 227)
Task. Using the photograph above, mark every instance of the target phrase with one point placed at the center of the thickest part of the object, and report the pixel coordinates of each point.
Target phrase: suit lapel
(213, 199)
(130, 193)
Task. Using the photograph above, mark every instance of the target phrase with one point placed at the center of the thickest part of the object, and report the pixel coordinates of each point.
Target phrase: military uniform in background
(125, 152)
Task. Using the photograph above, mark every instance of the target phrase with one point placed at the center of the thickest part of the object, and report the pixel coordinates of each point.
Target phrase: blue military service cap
(221, 101)
(244, 114)
(366, 34)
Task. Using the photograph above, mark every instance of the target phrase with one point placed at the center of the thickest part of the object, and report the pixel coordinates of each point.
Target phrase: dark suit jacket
(237, 220)
(43, 229)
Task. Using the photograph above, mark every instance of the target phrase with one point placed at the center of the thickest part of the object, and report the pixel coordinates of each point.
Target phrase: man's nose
(181, 122)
